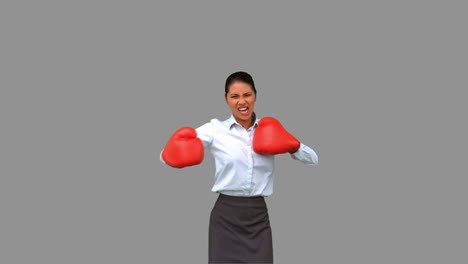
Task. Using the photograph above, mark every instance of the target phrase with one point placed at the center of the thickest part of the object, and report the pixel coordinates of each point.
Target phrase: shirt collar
(231, 121)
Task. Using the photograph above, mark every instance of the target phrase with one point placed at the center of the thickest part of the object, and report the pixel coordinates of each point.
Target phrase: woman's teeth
(244, 109)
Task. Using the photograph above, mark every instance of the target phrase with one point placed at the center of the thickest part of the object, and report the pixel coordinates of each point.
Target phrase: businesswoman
(244, 149)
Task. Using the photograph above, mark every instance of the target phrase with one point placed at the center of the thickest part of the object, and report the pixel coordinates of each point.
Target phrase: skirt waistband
(241, 201)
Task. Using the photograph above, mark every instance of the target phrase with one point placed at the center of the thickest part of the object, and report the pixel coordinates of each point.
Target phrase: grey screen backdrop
(92, 90)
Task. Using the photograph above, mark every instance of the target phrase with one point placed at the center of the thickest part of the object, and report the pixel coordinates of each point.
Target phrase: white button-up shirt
(239, 170)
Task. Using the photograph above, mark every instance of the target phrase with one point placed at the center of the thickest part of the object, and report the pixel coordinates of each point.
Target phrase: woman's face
(241, 99)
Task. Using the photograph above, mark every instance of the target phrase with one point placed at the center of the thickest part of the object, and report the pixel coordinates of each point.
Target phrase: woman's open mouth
(244, 110)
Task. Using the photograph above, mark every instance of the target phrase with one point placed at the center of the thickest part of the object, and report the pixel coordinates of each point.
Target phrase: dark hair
(239, 76)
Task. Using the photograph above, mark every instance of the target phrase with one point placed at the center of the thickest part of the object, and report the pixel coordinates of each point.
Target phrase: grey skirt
(239, 231)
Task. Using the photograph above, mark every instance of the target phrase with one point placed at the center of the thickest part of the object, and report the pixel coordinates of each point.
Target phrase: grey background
(92, 90)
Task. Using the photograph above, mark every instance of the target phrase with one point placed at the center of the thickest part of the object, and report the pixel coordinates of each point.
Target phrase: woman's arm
(305, 155)
(271, 138)
(205, 133)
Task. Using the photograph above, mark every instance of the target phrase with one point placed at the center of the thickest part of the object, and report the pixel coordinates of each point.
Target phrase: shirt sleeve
(204, 133)
(160, 157)
(305, 155)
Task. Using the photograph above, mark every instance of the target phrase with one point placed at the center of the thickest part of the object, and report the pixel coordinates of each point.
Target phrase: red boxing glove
(271, 138)
(183, 149)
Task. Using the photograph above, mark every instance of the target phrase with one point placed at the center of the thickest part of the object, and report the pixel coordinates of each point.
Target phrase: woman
(244, 148)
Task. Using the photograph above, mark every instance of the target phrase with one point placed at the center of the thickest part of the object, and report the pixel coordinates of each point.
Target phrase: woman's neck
(247, 124)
